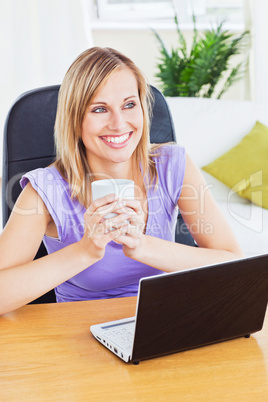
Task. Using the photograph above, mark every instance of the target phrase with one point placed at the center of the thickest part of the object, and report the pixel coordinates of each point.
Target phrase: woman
(102, 131)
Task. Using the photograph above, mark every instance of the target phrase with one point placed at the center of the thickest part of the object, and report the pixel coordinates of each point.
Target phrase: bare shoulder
(192, 173)
(25, 229)
(194, 185)
(29, 202)
(202, 214)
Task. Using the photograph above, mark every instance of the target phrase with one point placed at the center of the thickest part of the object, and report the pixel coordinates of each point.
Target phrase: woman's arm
(206, 223)
(22, 279)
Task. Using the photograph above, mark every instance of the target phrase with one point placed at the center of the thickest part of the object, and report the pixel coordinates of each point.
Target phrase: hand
(100, 231)
(132, 240)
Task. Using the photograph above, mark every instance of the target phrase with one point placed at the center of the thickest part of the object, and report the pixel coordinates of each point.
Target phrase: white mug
(120, 187)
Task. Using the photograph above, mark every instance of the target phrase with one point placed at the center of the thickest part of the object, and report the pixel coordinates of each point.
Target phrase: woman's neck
(123, 170)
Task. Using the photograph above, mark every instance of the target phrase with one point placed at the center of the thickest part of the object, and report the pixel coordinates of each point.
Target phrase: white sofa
(208, 128)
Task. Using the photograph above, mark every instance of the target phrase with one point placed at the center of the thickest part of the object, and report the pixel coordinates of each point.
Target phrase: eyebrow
(104, 103)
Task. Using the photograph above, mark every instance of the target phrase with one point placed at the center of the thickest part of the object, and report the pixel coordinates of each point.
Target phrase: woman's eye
(99, 110)
(130, 105)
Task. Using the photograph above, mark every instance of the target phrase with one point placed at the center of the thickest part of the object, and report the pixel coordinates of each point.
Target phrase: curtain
(39, 39)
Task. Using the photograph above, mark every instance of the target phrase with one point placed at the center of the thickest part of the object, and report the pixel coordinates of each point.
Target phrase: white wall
(38, 42)
(40, 39)
(259, 79)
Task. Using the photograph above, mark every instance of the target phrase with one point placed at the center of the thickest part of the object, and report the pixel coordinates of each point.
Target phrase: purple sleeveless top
(115, 275)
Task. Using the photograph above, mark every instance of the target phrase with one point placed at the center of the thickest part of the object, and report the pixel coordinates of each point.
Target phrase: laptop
(191, 308)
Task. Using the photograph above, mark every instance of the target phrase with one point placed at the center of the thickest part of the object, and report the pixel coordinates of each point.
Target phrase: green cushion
(244, 168)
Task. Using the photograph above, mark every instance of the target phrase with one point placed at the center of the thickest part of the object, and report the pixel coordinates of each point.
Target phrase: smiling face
(113, 122)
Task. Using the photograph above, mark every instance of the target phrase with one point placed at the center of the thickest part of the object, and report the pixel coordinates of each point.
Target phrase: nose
(116, 122)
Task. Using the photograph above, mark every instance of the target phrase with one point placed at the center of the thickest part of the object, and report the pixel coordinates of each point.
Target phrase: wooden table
(47, 353)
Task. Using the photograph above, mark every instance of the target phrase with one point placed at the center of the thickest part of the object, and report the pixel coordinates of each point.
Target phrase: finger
(111, 224)
(100, 230)
(110, 208)
(138, 212)
(115, 233)
(135, 231)
(130, 237)
(100, 202)
(95, 229)
(135, 219)
(117, 219)
(101, 212)
(128, 241)
(134, 205)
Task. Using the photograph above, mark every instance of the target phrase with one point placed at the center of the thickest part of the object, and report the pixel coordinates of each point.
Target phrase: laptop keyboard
(122, 336)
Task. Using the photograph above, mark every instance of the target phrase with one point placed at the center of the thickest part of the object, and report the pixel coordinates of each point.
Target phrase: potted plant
(197, 73)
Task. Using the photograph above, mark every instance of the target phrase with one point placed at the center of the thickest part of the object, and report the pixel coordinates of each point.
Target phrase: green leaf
(198, 72)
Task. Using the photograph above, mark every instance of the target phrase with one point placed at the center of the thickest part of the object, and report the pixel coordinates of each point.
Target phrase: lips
(116, 140)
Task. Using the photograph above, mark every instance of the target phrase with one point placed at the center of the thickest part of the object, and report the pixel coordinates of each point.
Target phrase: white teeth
(117, 140)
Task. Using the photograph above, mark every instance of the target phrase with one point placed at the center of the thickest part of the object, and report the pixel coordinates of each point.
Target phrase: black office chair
(29, 144)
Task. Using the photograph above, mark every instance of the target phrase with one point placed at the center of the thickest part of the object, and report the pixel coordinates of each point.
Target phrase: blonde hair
(84, 77)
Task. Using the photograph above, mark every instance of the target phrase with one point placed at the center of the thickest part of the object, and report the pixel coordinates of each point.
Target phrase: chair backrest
(29, 141)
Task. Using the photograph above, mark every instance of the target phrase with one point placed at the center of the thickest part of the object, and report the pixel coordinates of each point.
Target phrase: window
(115, 10)
(142, 10)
